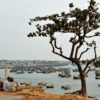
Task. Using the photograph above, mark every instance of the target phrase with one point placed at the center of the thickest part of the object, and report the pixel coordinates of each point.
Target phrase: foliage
(81, 24)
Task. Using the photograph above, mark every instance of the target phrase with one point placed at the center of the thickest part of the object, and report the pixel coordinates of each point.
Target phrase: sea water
(53, 79)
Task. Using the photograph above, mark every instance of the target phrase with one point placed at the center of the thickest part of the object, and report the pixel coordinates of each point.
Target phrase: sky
(14, 28)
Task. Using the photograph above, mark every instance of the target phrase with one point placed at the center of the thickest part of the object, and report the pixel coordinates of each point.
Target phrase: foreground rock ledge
(28, 94)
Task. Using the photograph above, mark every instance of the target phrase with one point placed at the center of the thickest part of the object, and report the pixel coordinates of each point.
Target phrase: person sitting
(6, 84)
(13, 85)
(1, 85)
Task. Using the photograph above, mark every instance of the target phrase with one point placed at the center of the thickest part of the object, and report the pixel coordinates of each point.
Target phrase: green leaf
(30, 35)
(71, 5)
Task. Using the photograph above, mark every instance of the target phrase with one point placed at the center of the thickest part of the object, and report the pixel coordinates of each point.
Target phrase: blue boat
(65, 74)
(97, 77)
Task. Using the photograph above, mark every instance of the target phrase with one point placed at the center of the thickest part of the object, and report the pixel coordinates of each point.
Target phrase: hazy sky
(14, 18)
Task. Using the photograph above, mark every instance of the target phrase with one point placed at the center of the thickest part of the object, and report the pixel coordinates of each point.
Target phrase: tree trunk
(83, 91)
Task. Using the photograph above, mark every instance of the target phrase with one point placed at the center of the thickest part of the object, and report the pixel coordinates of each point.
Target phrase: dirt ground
(28, 94)
(9, 97)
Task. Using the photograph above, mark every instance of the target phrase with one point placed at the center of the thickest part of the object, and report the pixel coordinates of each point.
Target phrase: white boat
(20, 72)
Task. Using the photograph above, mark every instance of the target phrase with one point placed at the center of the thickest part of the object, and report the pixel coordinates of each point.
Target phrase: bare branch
(88, 70)
(79, 46)
(92, 36)
(92, 60)
(59, 54)
(59, 48)
(72, 50)
(95, 52)
(77, 49)
(73, 46)
(96, 34)
(80, 41)
(83, 53)
(88, 63)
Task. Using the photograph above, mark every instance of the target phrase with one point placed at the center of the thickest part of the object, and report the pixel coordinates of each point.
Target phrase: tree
(81, 25)
(97, 63)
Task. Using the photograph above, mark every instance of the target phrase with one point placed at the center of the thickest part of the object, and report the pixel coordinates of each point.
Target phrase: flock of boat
(21, 71)
(66, 87)
(65, 73)
(97, 74)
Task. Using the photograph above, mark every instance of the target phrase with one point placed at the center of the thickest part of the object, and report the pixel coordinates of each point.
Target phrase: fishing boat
(12, 70)
(66, 87)
(42, 83)
(49, 86)
(38, 71)
(97, 72)
(20, 72)
(65, 74)
(30, 71)
(98, 85)
(75, 70)
(28, 84)
(97, 77)
(22, 83)
(76, 77)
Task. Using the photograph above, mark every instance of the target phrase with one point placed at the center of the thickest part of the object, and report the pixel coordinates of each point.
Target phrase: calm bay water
(54, 79)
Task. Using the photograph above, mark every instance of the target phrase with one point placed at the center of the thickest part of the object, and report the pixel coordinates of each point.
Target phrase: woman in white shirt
(6, 84)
